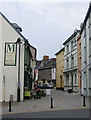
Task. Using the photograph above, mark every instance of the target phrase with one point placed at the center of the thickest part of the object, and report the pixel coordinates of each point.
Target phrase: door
(4, 88)
(72, 81)
(43, 80)
(60, 81)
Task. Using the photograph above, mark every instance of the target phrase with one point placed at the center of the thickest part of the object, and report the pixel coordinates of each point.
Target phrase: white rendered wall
(82, 53)
(74, 53)
(11, 72)
(1, 78)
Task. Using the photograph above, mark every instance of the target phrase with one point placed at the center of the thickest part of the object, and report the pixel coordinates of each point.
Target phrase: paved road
(61, 101)
(52, 114)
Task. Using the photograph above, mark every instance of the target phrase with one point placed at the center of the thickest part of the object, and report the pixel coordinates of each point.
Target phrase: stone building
(47, 71)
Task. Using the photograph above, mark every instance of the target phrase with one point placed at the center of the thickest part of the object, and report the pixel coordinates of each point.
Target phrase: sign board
(10, 54)
(47, 91)
(18, 84)
(11, 98)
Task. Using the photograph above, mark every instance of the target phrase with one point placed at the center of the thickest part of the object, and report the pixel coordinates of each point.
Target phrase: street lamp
(18, 89)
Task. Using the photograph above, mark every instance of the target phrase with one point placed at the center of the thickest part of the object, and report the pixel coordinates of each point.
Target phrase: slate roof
(72, 36)
(17, 26)
(47, 64)
(13, 26)
(38, 64)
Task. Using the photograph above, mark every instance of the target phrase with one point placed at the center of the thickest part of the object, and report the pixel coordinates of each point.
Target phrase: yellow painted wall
(40, 81)
(60, 69)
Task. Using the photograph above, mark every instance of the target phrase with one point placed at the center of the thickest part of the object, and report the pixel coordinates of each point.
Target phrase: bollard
(39, 96)
(10, 106)
(18, 94)
(84, 103)
(51, 103)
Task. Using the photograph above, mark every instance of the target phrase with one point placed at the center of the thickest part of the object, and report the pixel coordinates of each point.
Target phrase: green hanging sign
(10, 54)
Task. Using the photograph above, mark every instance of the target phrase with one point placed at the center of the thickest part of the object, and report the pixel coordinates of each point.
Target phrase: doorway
(72, 81)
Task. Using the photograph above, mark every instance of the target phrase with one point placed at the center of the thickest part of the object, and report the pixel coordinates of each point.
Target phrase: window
(50, 74)
(72, 61)
(84, 31)
(67, 80)
(53, 70)
(90, 47)
(85, 61)
(75, 79)
(72, 47)
(67, 62)
(75, 42)
(67, 49)
(85, 79)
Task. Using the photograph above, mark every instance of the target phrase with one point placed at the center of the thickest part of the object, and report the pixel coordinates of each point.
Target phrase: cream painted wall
(59, 69)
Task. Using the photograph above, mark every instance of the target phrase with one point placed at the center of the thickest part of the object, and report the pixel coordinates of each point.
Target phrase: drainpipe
(18, 89)
(85, 59)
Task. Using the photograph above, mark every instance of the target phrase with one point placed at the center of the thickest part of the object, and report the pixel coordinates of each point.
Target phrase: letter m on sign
(10, 48)
(10, 54)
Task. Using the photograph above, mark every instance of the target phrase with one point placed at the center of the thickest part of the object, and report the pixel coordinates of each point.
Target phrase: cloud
(44, 1)
(46, 25)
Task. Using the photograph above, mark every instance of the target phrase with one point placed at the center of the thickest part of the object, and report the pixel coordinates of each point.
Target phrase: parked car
(46, 85)
(40, 86)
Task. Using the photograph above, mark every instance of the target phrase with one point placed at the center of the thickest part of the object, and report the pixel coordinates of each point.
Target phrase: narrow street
(45, 59)
(62, 102)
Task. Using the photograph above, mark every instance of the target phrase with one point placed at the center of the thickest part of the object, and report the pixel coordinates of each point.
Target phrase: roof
(34, 49)
(17, 26)
(78, 37)
(72, 36)
(13, 27)
(85, 20)
(59, 51)
(47, 64)
(38, 64)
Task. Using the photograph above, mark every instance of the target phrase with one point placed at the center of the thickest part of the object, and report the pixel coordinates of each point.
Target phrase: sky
(46, 24)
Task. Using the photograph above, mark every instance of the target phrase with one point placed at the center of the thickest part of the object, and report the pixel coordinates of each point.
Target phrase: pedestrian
(38, 93)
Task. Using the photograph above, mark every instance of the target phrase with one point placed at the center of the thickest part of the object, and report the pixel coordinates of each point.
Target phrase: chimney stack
(45, 57)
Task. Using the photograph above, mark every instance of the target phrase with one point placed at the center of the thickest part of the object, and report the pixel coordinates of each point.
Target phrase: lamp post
(18, 88)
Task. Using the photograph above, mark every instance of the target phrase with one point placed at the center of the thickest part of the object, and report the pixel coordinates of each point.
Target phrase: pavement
(61, 101)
